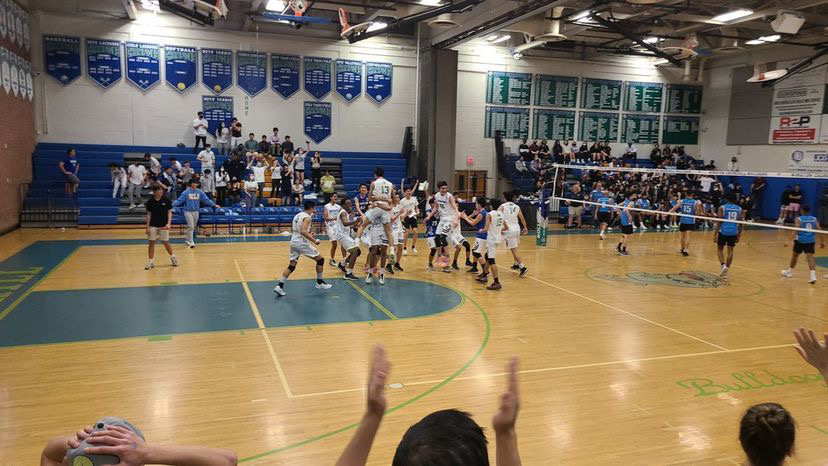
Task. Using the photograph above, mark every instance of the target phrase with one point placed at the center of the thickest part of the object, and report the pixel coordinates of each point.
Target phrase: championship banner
(5, 69)
(378, 78)
(317, 121)
(3, 27)
(217, 69)
(251, 68)
(21, 75)
(103, 61)
(15, 73)
(18, 24)
(143, 64)
(808, 161)
(217, 109)
(317, 76)
(61, 58)
(180, 67)
(27, 33)
(10, 20)
(29, 82)
(348, 79)
(284, 74)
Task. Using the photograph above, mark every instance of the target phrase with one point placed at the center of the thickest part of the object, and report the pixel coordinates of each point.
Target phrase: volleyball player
(431, 220)
(340, 232)
(690, 206)
(447, 208)
(494, 227)
(397, 235)
(728, 233)
(478, 219)
(302, 243)
(804, 242)
(516, 226)
(409, 204)
(603, 214)
(642, 203)
(626, 225)
(380, 193)
(331, 213)
(457, 240)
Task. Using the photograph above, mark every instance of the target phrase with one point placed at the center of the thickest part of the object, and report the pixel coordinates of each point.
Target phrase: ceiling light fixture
(430, 2)
(652, 40)
(492, 37)
(500, 39)
(732, 15)
(151, 5)
(276, 5)
(764, 40)
(376, 26)
(582, 15)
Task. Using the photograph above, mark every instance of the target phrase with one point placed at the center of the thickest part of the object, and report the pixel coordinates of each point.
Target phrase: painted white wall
(82, 112)
(716, 107)
(475, 61)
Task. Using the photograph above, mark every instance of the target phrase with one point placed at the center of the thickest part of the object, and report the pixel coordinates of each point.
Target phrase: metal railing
(47, 207)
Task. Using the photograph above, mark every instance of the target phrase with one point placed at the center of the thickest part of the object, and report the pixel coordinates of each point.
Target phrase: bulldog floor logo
(686, 279)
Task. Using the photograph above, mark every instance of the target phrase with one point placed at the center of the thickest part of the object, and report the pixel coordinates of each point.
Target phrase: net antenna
(299, 6)
(347, 29)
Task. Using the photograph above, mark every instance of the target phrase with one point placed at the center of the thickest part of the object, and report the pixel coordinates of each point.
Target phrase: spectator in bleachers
(630, 152)
(235, 133)
(251, 145)
(200, 129)
(287, 183)
(520, 166)
(222, 137)
(655, 156)
(299, 164)
(119, 180)
(822, 213)
(154, 167)
(523, 151)
(235, 169)
(275, 142)
(316, 171)
(176, 165)
(191, 199)
(221, 181)
(257, 168)
(185, 175)
(207, 158)
(137, 174)
(534, 148)
(733, 165)
(757, 193)
(208, 183)
(543, 150)
(558, 151)
(287, 146)
(169, 181)
(264, 145)
(328, 183)
(251, 190)
(70, 167)
(275, 176)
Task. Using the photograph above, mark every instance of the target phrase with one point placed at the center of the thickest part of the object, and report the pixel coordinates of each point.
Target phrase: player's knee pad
(476, 255)
(490, 260)
(291, 267)
(320, 262)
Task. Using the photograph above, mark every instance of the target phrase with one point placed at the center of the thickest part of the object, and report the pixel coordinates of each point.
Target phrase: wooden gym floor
(646, 359)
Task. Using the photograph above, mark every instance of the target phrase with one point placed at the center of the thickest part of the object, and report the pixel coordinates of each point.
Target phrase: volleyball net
(659, 191)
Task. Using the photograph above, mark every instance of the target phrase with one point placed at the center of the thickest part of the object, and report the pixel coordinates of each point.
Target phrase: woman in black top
(557, 152)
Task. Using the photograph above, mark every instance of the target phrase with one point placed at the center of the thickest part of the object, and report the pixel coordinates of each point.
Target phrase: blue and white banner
(5, 69)
(29, 81)
(217, 69)
(180, 67)
(27, 33)
(61, 58)
(103, 61)
(378, 79)
(18, 24)
(10, 20)
(22, 64)
(15, 73)
(317, 121)
(252, 72)
(317, 76)
(349, 79)
(284, 77)
(3, 25)
(217, 109)
(143, 64)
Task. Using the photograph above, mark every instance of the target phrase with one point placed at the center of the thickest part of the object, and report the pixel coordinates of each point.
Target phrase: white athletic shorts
(366, 236)
(431, 242)
(332, 233)
(397, 232)
(512, 238)
(455, 237)
(444, 226)
(375, 214)
(479, 246)
(302, 249)
(378, 237)
(345, 240)
(491, 248)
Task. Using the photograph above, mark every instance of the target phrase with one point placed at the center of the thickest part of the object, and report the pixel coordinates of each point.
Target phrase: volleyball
(217, 88)
(181, 86)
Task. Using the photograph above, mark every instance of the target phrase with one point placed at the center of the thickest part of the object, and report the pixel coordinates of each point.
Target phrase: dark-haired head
(379, 171)
(310, 205)
(443, 438)
(731, 197)
(495, 203)
(509, 195)
(481, 201)
(767, 434)
(805, 209)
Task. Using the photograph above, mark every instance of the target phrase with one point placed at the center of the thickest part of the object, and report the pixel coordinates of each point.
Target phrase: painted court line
(373, 301)
(722, 348)
(26, 294)
(263, 329)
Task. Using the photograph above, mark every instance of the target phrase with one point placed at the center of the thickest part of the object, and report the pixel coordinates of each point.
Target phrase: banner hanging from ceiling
(62, 58)
(103, 61)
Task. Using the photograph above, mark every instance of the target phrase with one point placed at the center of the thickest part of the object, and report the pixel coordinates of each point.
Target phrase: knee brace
(476, 255)
(320, 262)
(490, 260)
(291, 267)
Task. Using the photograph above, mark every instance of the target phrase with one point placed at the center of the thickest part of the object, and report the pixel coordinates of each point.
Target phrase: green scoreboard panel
(641, 129)
(503, 87)
(598, 126)
(600, 94)
(643, 97)
(680, 130)
(513, 122)
(683, 98)
(556, 91)
(553, 124)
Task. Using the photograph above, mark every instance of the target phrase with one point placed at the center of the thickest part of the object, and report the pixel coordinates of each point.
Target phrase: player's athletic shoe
(523, 271)
(472, 270)
(482, 278)
(494, 286)
(279, 291)
(684, 253)
(602, 236)
(447, 269)
(323, 286)
(658, 227)
(382, 279)
(454, 266)
(350, 276)
(390, 269)
(644, 228)
(368, 279)
(618, 250)
(430, 268)
(787, 273)
(723, 274)
(414, 251)
(405, 252)
(397, 267)
(149, 266)
(469, 263)
(812, 278)
(174, 261)
(332, 261)
(515, 266)
(341, 267)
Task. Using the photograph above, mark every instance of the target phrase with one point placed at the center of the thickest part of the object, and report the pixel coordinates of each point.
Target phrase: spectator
(534, 148)
(316, 171)
(222, 179)
(655, 155)
(176, 165)
(558, 151)
(159, 220)
(328, 183)
(287, 184)
(137, 175)
(222, 137)
(275, 142)
(275, 177)
(767, 433)
(200, 129)
(154, 167)
(822, 214)
(520, 166)
(208, 183)
(235, 133)
(630, 152)
(257, 168)
(757, 193)
(706, 182)
(298, 192)
(169, 181)
(543, 150)
(191, 199)
(795, 202)
(299, 164)
(783, 208)
(576, 209)
(185, 175)
(251, 145)
(207, 159)
(264, 145)
(733, 165)
(119, 180)
(524, 151)
(251, 189)
(70, 166)
(287, 146)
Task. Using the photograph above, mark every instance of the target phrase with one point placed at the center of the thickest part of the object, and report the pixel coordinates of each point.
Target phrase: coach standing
(191, 199)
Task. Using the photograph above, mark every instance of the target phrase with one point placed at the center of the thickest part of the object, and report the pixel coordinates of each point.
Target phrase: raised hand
(811, 350)
(377, 376)
(506, 417)
(120, 442)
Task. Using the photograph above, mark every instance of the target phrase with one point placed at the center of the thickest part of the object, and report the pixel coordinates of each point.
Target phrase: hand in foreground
(811, 350)
(120, 442)
(506, 417)
(377, 376)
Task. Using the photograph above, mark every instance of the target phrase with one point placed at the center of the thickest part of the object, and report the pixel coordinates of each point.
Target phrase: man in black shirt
(287, 146)
(159, 220)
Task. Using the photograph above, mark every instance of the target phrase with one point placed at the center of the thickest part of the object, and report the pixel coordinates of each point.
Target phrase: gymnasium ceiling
(663, 28)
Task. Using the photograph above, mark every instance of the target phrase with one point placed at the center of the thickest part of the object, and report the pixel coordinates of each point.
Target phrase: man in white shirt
(137, 174)
(207, 158)
(200, 130)
(409, 204)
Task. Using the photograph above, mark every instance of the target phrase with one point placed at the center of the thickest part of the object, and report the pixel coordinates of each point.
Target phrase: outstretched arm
(811, 350)
(505, 419)
(356, 453)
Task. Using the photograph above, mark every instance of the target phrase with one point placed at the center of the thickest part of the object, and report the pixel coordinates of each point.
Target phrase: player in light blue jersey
(689, 206)
(603, 212)
(626, 225)
(643, 202)
(804, 242)
(728, 233)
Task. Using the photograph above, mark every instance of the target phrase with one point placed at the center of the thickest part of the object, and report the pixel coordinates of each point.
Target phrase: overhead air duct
(552, 33)
(444, 21)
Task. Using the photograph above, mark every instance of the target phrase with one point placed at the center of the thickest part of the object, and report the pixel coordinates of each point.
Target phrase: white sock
(813, 274)
(150, 261)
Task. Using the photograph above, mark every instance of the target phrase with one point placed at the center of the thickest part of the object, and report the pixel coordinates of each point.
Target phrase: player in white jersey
(379, 193)
(516, 226)
(331, 214)
(340, 232)
(495, 226)
(378, 251)
(449, 221)
(398, 213)
(410, 203)
(302, 243)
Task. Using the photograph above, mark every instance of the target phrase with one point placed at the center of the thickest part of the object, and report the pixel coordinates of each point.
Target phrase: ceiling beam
(131, 10)
(613, 26)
